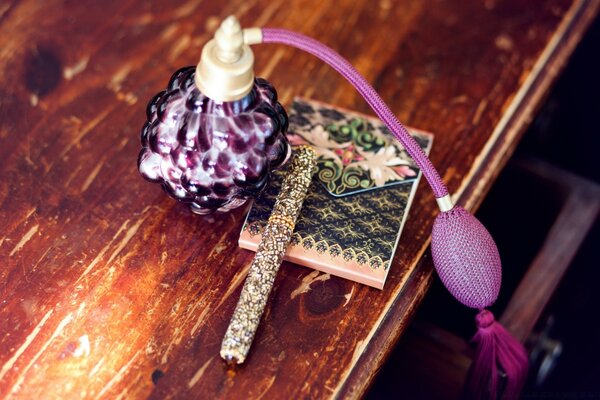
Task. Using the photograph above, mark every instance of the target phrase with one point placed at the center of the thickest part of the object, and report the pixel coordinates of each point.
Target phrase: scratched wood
(109, 289)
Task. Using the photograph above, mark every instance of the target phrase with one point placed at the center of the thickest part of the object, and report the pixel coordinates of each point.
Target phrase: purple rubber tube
(337, 62)
(464, 253)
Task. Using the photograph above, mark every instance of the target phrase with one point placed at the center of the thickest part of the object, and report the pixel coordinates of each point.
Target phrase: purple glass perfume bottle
(211, 154)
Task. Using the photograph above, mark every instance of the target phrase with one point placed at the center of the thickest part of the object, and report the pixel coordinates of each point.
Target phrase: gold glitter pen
(269, 256)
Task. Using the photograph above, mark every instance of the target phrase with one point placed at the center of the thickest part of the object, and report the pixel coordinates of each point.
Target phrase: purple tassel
(496, 351)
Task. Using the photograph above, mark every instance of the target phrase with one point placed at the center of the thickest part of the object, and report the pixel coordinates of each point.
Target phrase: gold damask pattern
(361, 227)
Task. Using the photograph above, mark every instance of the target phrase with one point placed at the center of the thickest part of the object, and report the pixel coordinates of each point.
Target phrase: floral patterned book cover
(359, 199)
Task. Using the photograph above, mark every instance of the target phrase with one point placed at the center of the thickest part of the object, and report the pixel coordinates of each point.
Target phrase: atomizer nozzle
(230, 39)
(225, 71)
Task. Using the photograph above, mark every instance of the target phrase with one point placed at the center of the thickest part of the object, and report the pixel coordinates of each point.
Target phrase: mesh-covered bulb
(212, 155)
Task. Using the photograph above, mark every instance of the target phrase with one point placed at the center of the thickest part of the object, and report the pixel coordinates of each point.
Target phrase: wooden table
(109, 289)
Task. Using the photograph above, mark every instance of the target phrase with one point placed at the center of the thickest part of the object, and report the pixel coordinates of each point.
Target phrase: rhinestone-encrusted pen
(269, 256)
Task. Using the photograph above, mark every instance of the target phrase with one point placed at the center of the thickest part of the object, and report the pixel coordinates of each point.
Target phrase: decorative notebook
(359, 198)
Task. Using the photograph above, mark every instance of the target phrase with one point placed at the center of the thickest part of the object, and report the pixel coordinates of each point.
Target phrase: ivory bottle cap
(226, 68)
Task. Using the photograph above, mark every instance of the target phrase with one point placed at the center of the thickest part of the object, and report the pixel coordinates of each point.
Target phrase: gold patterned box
(358, 200)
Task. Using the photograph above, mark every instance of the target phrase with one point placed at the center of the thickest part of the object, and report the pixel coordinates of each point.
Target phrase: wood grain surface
(109, 289)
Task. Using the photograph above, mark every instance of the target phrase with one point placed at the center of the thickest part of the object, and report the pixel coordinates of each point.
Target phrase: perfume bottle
(214, 135)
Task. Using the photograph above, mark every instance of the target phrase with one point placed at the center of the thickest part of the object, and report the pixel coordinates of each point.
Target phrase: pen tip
(230, 360)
